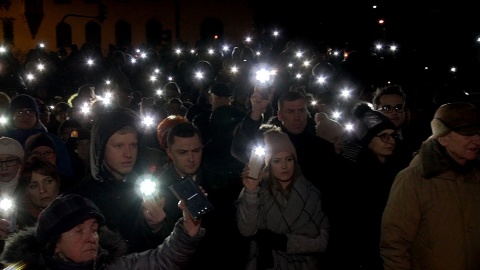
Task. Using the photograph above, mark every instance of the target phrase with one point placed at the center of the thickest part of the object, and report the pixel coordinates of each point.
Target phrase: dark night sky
(428, 33)
(415, 24)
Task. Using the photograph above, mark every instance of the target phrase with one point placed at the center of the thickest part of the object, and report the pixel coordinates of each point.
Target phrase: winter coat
(23, 249)
(247, 135)
(432, 217)
(119, 200)
(300, 217)
(360, 193)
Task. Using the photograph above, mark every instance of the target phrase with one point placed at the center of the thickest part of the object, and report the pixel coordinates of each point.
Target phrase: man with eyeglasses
(391, 102)
(432, 216)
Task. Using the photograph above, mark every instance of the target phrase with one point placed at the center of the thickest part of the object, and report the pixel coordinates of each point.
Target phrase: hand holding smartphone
(196, 202)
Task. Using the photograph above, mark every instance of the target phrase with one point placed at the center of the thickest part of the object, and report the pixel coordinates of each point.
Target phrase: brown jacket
(432, 217)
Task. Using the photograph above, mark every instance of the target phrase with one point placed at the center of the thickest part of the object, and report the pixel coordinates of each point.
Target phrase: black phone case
(195, 200)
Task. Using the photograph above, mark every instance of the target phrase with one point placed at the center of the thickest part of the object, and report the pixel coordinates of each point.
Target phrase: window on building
(123, 35)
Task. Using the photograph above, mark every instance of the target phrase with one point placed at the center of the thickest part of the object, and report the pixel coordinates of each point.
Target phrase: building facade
(121, 23)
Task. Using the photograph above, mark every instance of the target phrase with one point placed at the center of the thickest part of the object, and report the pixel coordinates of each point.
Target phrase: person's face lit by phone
(186, 154)
(282, 166)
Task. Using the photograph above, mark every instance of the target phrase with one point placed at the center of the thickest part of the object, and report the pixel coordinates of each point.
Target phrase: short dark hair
(39, 166)
(184, 130)
(387, 90)
(290, 96)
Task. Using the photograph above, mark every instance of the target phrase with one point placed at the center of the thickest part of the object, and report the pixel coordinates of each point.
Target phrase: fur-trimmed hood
(23, 247)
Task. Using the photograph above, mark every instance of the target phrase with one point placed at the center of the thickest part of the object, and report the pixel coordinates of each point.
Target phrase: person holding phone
(281, 211)
(116, 167)
(71, 234)
(185, 149)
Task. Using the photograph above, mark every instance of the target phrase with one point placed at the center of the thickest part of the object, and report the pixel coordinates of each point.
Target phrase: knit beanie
(23, 101)
(326, 127)
(164, 126)
(64, 213)
(276, 142)
(9, 146)
(87, 91)
(461, 117)
(370, 123)
(69, 123)
(36, 140)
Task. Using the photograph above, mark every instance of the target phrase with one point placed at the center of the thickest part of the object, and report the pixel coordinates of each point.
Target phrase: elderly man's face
(461, 148)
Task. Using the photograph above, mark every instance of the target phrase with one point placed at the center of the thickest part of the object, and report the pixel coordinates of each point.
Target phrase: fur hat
(370, 123)
(276, 142)
(23, 101)
(9, 146)
(461, 117)
(64, 213)
(326, 127)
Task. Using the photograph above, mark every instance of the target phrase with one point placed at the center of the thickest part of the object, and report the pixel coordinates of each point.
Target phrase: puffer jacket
(23, 251)
(432, 217)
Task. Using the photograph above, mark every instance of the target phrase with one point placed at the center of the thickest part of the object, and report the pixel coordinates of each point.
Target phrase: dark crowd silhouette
(363, 156)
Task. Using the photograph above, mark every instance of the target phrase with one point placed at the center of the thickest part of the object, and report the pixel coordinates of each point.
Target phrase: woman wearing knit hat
(362, 189)
(70, 235)
(25, 118)
(42, 146)
(25, 113)
(281, 211)
(11, 160)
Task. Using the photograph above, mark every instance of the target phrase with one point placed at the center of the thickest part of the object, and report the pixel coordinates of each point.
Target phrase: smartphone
(195, 200)
(255, 164)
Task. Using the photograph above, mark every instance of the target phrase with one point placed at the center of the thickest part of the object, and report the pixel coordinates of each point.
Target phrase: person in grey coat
(70, 235)
(281, 211)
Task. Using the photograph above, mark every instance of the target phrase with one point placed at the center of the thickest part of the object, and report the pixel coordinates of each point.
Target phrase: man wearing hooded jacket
(113, 184)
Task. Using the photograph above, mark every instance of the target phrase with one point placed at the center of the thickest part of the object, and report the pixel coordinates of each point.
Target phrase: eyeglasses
(48, 154)
(385, 136)
(21, 113)
(389, 109)
(10, 162)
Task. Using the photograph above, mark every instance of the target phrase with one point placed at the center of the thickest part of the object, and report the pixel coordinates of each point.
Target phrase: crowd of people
(78, 140)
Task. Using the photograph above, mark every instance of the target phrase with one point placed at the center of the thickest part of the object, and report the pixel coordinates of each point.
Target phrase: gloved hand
(267, 239)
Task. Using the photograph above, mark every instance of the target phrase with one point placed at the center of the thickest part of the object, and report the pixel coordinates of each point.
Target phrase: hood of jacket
(23, 247)
(105, 125)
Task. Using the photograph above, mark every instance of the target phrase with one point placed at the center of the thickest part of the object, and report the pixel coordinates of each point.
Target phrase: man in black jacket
(113, 184)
